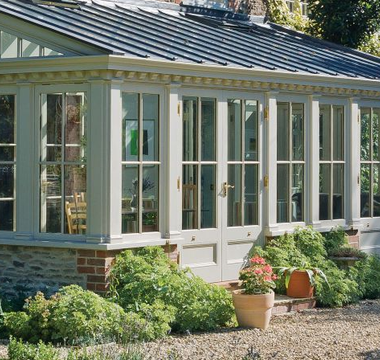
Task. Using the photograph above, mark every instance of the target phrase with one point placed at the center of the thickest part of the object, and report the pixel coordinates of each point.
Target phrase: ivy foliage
(146, 278)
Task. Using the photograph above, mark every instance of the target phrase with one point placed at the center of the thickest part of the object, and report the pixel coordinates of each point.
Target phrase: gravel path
(349, 333)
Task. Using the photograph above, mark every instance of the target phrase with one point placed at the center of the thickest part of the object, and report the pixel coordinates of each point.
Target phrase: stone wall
(26, 270)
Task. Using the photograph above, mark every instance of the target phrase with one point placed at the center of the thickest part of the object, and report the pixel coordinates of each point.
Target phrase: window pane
(150, 197)
(130, 110)
(51, 127)
(365, 135)
(7, 119)
(30, 49)
(365, 193)
(151, 127)
(338, 133)
(9, 46)
(234, 195)
(190, 197)
(208, 196)
(251, 126)
(338, 189)
(6, 215)
(251, 195)
(130, 199)
(75, 200)
(51, 199)
(234, 130)
(324, 133)
(297, 192)
(208, 129)
(324, 191)
(283, 131)
(375, 134)
(190, 129)
(298, 131)
(282, 193)
(6, 181)
(75, 128)
(376, 190)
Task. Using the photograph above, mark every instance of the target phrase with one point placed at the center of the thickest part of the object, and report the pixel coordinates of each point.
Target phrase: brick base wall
(26, 270)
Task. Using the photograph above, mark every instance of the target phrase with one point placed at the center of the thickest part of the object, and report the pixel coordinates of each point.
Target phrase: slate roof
(196, 36)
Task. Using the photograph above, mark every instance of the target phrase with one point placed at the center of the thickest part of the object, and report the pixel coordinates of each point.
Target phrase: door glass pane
(150, 127)
(375, 134)
(75, 200)
(6, 181)
(29, 49)
(75, 128)
(283, 131)
(282, 193)
(338, 195)
(208, 129)
(251, 195)
(51, 127)
(130, 199)
(7, 120)
(298, 131)
(150, 197)
(365, 135)
(251, 126)
(190, 197)
(324, 133)
(324, 191)
(51, 199)
(130, 146)
(208, 196)
(6, 215)
(338, 133)
(9, 46)
(190, 129)
(376, 190)
(365, 193)
(234, 130)
(234, 196)
(297, 192)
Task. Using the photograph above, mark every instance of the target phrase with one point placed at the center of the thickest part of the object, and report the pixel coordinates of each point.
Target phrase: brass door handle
(226, 187)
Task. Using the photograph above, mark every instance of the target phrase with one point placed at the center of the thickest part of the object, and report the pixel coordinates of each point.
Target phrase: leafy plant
(348, 251)
(17, 350)
(335, 239)
(73, 316)
(257, 277)
(146, 276)
(311, 272)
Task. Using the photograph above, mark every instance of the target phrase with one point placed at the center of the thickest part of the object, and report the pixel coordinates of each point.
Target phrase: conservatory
(195, 129)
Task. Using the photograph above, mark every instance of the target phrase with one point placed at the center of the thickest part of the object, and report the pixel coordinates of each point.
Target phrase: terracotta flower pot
(299, 285)
(253, 310)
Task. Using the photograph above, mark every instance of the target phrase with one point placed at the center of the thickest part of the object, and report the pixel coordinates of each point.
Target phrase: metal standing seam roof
(177, 36)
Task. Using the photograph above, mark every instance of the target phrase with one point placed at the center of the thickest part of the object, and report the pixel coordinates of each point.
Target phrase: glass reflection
(365, 135)
(338, 133)
(376, 190)
(283, 131)
(151, 127)
(190, 197)
(250, 195)
(298, 131)
(234, 130)
(130, 131)
(375, 134)
(190, 129)
(150, 193)
(282, 193)
(130, 199)
(324, 132)
(208, 129)
(324, 191)
(338, 191)
(297, 192)
(365, 186)
(251, 128)
(208, 196)
(234, 196)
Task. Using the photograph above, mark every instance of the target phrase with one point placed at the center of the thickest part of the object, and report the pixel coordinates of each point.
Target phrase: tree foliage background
(353, 23)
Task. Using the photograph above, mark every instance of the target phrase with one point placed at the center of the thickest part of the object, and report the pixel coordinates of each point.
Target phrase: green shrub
(335, 239)
(340, 290)
(73, 316)
(367, 274)
(17, 350)
(106, 353)
(311, 244)
(146, 276)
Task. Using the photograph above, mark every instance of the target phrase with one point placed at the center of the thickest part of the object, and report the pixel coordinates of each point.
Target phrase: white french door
(221, 216)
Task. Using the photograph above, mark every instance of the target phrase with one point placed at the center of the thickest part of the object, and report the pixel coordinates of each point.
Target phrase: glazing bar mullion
(63, 158)
(199, 166)
(371, 167)
(290, 174)
(331, 200)
(242, 170)
(140, 167)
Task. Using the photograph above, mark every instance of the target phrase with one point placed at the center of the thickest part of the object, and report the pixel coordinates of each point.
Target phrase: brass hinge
(266, 181)
(266, 113)
(179, 108)
(358, 118)
(179, 183)
(358, 180)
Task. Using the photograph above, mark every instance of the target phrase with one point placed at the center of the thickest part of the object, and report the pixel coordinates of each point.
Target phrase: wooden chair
(76, 213)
